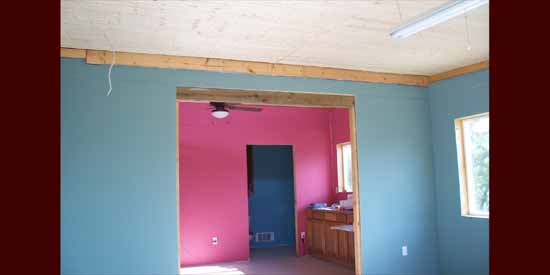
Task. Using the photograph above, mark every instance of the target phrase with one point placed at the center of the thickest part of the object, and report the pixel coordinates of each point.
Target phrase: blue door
(271, 194)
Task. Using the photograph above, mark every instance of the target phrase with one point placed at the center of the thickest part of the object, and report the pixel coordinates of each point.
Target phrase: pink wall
(213, 177)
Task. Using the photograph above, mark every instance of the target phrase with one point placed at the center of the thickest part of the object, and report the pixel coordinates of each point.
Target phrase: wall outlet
(404, 251)
(303, 235)
(214, 240)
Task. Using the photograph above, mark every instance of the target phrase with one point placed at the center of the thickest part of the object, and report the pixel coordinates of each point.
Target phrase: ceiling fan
(220, 109)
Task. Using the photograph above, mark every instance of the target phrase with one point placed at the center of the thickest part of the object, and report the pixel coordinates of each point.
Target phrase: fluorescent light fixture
(436, 16)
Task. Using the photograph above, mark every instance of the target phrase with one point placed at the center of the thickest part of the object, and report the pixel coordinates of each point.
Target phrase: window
(472, 140)
(343, 151)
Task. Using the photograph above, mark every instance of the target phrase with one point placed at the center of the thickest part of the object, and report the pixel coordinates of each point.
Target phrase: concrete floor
(266, 261)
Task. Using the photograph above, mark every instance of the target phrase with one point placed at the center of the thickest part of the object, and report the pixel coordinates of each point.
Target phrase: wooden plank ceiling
(351, 35)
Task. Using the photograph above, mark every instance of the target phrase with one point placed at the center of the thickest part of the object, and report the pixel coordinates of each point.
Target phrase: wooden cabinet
(351, 249)
(317, 237)
(342, 245)
(327, 243)
(331, 239)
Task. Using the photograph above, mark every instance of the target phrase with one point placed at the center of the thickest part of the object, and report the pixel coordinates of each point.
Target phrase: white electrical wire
(399, 10)
(469, 46)
(112, 63)
(109, 74)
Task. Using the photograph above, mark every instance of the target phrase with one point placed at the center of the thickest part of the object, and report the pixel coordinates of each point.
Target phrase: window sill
(475, 216)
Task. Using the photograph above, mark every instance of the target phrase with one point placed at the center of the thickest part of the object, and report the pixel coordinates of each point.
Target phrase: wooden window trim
(340, 168)
(465, 210)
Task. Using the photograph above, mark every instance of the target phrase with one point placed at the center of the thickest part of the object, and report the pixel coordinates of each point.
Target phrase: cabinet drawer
(335, 217)
(318, 215)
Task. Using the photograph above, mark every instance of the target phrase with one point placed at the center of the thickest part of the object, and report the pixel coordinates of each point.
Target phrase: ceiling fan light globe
(220, 114)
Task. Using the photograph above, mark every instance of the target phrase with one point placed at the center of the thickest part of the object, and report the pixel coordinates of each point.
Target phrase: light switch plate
(214, 240)
(404, 251)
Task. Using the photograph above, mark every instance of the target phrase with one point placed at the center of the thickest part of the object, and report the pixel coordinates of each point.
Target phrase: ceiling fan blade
(214, 104)
(250, 109)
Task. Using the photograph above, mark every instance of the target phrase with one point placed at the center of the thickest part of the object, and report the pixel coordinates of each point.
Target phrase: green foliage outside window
(481, 169)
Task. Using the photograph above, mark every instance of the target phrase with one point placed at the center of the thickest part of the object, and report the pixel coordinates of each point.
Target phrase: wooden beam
(355, 194)
(264, 97)
(239, 66)
(460, 71)
(262, 68)
(73, 53)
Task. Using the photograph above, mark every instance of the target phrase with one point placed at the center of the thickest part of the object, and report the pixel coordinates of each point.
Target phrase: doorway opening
(203, 166)
(271, 198)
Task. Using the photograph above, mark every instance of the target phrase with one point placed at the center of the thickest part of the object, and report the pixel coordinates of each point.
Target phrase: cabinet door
(317, 237)
(342, 254)
(331, 239)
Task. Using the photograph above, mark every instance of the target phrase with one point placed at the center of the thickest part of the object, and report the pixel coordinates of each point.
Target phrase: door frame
(280, 98)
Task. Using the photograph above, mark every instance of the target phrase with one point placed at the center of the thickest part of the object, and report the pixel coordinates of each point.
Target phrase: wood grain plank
(240, 66)
(356, 247)
(460, 71)
(262, 68)
(73, 53)
(264, 97)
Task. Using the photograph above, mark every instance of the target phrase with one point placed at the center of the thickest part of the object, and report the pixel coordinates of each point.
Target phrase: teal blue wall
(271, 207)
(463, 241)
(118, 169)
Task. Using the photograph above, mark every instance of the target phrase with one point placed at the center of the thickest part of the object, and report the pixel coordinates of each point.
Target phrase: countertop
(345, 227)
(328, 209)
